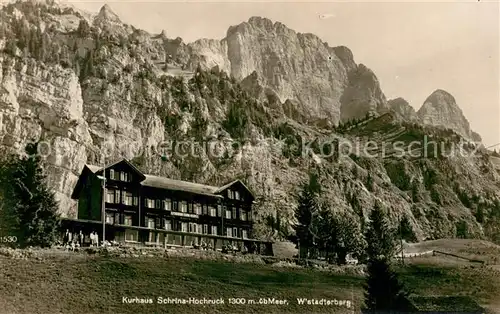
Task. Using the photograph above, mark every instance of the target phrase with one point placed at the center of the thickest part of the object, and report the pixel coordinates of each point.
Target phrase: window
(183, 207)
(131, 235)
(234, 213)
(214, 230)
(184, 227)
(212, 211)
(128, 199)
(110, 218)
(228, 214)
(199, 228)
(136, 200)
(205, 229)
(235, 232)
(191, 227)
(128, 220)
(175, 206)
(168, 225)
(204, 209)
(110, 196)
(158, 204)
(190, 207)
(243, 214)
(123, 176)
(236, 195)
(197, 209)
(219, 211)
(112, 174)
(229, 232)
(167, 204)
(151, 223)
(150, 203)
(244, 234)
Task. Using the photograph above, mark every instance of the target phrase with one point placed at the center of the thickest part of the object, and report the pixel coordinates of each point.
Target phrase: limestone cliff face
(324, 81)
(403, 109)
(209, 53)
(363, 95)
(45, 102)
(440, 109)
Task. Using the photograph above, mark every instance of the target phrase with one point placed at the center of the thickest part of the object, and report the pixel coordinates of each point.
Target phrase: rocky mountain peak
(441, 97)
(402, 109)
(106, 14)
(440, 109)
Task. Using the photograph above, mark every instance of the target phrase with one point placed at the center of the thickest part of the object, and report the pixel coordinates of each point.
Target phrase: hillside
(76, 283)
(90, 85)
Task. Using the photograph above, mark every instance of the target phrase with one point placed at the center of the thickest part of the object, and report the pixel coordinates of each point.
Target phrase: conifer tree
(383, 291)
(308, 205)
(379, 236)
(29, 209)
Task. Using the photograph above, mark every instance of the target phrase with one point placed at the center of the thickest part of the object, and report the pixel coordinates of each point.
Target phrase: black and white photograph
(276, 157)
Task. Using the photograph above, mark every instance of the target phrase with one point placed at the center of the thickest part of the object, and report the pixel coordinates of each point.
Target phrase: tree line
(321, 231)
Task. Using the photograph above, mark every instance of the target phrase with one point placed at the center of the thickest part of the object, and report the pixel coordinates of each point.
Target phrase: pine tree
(379, 237)
(30, 208)
(308, 205)
(383, 291)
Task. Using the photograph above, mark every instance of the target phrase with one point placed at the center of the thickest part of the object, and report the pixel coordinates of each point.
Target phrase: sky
(413, 48)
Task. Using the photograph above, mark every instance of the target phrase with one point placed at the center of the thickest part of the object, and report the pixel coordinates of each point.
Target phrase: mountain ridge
(94, 87)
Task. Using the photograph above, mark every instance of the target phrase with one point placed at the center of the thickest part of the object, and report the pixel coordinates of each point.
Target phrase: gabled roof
(161, 182)
(226, 186)
(178, 185)
(93, 168)
(96, 169)
(79, 184)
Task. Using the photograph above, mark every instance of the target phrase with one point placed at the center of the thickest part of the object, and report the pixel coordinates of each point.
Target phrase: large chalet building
(152, 210)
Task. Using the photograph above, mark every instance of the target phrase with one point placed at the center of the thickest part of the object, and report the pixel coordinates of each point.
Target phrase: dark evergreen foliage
(383, 291)
(307, 207)
(29, 209)
(380, 238)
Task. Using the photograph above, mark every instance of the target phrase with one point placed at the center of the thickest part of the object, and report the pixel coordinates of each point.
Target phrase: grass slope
(97, 285)
(77, 283)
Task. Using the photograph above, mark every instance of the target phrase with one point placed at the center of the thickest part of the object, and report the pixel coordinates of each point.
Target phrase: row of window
(119, 175)
(196, 228)
(234, 195)
(126, 177)
(153, 223)
(127, 198)
(121, 197)
(114, 218)
(197, 209)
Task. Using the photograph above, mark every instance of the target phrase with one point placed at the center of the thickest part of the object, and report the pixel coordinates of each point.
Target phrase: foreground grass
(97, 285)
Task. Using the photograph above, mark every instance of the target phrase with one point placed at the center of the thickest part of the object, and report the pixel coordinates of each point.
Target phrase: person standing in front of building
(81, 238)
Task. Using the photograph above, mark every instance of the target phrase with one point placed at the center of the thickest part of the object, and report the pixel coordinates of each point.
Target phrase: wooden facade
(154, 210)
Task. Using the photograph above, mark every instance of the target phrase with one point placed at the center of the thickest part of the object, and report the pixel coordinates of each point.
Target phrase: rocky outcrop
(440, 109)
(362, 96)
(324, 81)
(403, 109)
(39, 102)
